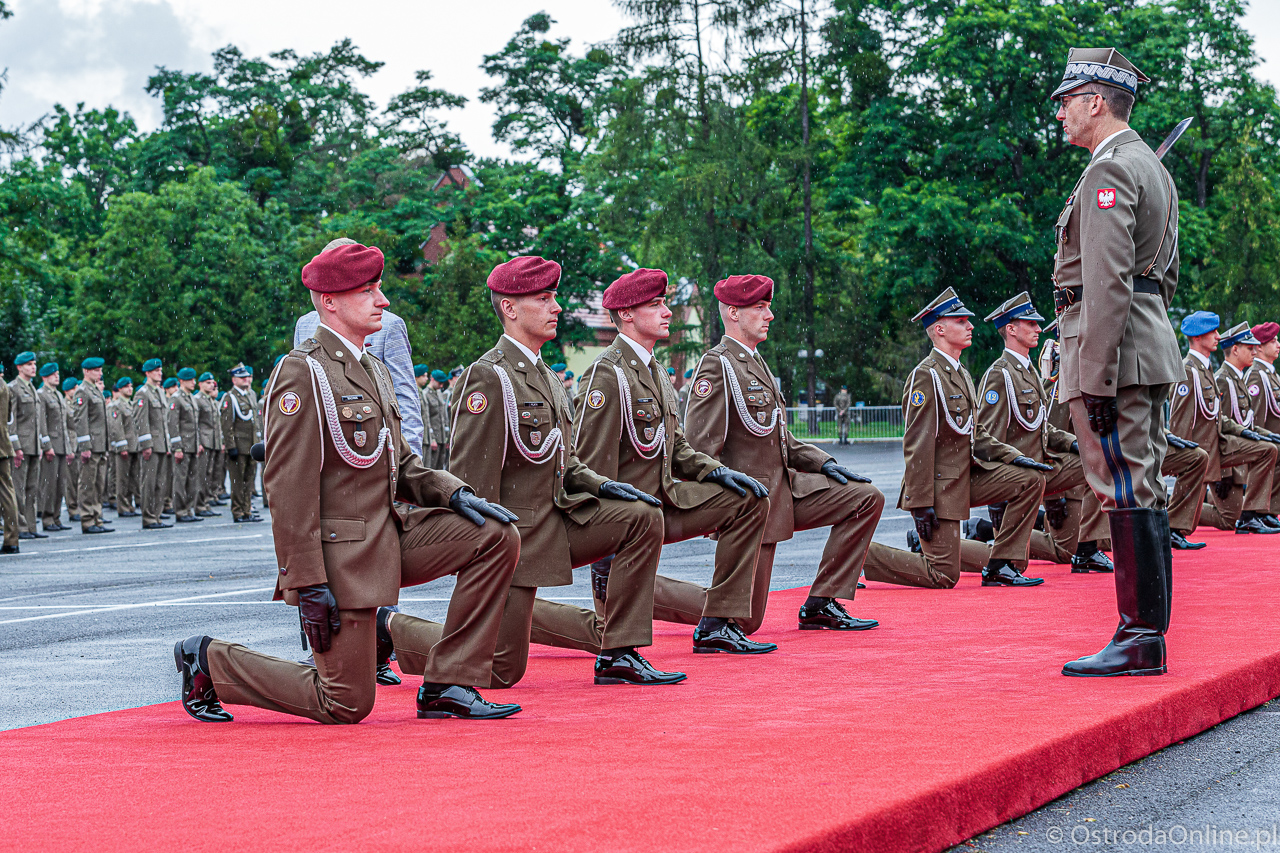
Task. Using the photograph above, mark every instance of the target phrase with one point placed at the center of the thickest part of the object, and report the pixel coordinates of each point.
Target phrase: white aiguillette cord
(1247, 423)
(967, 429)
(749, 422)
(1013, 405)
(553, 439)
(1204, 411)
(649, 450)
(325, 394)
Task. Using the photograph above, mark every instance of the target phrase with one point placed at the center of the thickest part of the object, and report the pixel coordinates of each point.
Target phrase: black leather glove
(1028, 462)
(233, 453)
(1179, 442)
(996, 511)
(841, 474)
(1251, 435)
(1222, 488)
(258, 452)
(1055, 512)
(926, 522)
(626, 492)
(737, 482)
(319, 611)
(1103, 413)
(1273, 438)
(466, 504)
(1075, 448)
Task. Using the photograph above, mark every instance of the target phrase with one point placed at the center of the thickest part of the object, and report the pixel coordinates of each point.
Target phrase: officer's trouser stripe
(1119, 469)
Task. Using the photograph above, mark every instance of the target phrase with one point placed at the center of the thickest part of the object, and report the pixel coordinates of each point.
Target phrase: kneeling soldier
(627, 429)
(335, 462)
(1238, 347)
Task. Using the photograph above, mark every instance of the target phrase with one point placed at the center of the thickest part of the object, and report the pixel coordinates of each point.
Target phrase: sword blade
(1173, 137)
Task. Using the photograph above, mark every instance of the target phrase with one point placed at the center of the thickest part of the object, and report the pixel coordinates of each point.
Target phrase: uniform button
(519, 364)
(284, 570)
(338, 353)
(1108, 382)
(333, 536)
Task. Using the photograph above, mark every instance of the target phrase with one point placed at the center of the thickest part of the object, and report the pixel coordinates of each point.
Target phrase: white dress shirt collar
(953, 361)
(357, 351)
(1104, 142)
(530, 354)
(741, 344)
(1238, 372)
(641, 353)
(1202, 358)
(1265, 365)
(1022, 359)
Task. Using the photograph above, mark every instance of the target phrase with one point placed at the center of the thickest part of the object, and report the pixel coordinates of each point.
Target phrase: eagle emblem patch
(290, 403)
(1106, 198)
(477, 402)
(702, 388)
(993, 396)
(917, 398)
(595, 399)
(1183, 390)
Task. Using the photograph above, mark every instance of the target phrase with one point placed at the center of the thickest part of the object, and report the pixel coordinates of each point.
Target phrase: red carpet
(948, 720)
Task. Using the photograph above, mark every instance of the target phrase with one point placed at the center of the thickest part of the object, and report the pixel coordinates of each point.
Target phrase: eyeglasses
(1063, 99)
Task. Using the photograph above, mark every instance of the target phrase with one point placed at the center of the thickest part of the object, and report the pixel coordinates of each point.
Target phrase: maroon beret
(1266, 332)
(523, 275)
(744, 290)
(343, 268)
(635, 288)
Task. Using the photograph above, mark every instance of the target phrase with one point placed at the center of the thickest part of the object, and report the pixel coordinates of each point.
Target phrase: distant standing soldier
(186, 448)
(218, 476)
(69, 386)
(54, 482)
(117, 444)
(91, 438)
(241, 429)
(439, 413)
(151, 421)
(207, 429)
(25, 432)
(8, 499)
(841, 403)
(128, 464)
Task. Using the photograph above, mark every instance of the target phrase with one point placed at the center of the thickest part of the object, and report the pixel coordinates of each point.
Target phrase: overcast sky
(102, 51)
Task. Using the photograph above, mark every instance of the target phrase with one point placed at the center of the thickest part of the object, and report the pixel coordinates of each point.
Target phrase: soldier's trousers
(852, 511)
(1123, 467)
(631, 530)
(109, 489)
(186, 484)
(204, 472)
(842, 426)
(340, 687)
(217, 475)
(26, 486)
(154, 475)
(93, 484)
(1085, 520)
(1258, 458)
(73, 485)
(127, 468)
(1188, 465)
(943, 557)
(55, 482)
(242, 469)
(9, 503)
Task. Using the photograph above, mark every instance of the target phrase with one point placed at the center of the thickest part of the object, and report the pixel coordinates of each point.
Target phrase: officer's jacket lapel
(352, 369)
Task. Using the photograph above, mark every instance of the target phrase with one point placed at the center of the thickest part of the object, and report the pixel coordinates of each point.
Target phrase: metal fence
(865, 422)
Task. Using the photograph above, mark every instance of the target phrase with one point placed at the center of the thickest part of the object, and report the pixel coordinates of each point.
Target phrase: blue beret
(151, 364)
(123, 381)
(187, 374)
(420, 370)
(49, 369)
(91, 363)
(558, 366)
(206, 376)
(69, 383)
(23, 358)
(170, 382)
(1199, 323)
(440, 376)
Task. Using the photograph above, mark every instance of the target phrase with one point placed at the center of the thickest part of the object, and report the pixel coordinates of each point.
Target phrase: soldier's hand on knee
(1222, 488)
(1103, 413)
(474, 508)
(1273, 438)
(1055, 512)
(926, 522)
(1251, 435)
(1028, 462)
(841, 474)
(737, 482)
(626, 492)
(319, 611)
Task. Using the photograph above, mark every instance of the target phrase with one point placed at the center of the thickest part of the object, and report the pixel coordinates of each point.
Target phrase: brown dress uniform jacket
(90, 411)
(151, 419)
(736, 415)
(28, 425)
(182, 422)
(1263, 387)
(118, 412)
(241, 425)
(944, 438)
(1197, 414)
(1233, 387)
(54, 403)
(1015, 409)
(206, 421)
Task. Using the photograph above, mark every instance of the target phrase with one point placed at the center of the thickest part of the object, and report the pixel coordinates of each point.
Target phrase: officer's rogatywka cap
(151, 364)
(1104, 65)
(49, 369)
(945, 304)
(1052, 329)
(241, 371)
(1199, 323)
(1015, 308)
(1240, 333)
(1266, 332)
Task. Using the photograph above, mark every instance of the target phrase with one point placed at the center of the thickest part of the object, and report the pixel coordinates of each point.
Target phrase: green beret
(49, 369)
(440, 376)
(186, 374)
(671, 371)
(106, 394)
(420, 369)
(170, 382)
(206, 376)
(92, 363)
(69, 383)
(558, 366)
(151, 364)
(688, 374)
(278, 358)
(23, 358)
(123, 381)
(568, 374)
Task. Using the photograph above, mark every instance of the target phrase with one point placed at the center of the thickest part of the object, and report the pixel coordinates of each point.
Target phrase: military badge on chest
(648, 433)
(760, 417)
(535, 437)
(360, 437)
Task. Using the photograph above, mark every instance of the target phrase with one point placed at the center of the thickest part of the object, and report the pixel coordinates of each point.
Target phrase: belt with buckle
(1065, 297)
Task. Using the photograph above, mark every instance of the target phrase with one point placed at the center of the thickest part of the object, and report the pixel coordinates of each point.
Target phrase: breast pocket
(361, 423)
(534, 426)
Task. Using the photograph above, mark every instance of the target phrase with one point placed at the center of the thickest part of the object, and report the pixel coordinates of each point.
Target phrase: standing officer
(8, 498)
(54, 481)
(241, 429)
(953, 464)
(128, 463)
(430, 441)
(627, 430)
(1197, 415)
(187, 450)
(1115, 273)
(841, 402)
(69, 386)
(117, 415)
(151, 422)
(90, 412)
(1015, 410)
(218, 467)
(26, 432)
(207, 423)
(1262, 383)
(736, 415)
(341, 479)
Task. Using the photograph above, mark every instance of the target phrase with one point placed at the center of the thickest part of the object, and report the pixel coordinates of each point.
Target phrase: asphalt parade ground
(87, 625)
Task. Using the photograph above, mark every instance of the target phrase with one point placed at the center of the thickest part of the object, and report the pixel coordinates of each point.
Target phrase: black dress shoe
(188, 519)
(1270, 520)
(728, 638)
(198, 697)
(128, 514)
(156, 525)
(8, 549)
(97, 528)
(1098, 561)
(247, 519)
(1254, 525)
(979, 530)
(208, 513)
(438, 701)
(217, 503)
(109, 505)
(630, 667)
(54, 528)
(861, 585)
(913, 542)
(26, 534)
(1004, 574)
(72, 517)
(832, 616)
(224, 497)
(386, 675)
(1179, 542)
(35, 534)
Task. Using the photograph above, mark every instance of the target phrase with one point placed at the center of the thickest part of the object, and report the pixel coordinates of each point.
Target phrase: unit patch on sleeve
(1106, 198)
(702, 388)
(595, 399)
(477, 402)
(1183, 390)
(1254, 390)
(917, 398)
(290, 403)
(993, 396)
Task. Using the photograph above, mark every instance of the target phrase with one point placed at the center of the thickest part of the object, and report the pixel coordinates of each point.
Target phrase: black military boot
(198, 697)
(1144, 592)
